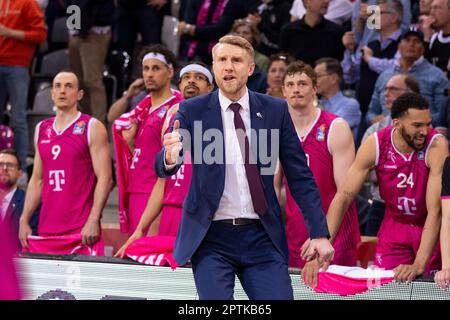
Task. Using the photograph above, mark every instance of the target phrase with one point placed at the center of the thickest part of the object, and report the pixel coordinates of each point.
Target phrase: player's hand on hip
(24, 232)
(91, 232)
(172, 144)
(136, 235)
(442, 278)
(407, 272)
(321, 249)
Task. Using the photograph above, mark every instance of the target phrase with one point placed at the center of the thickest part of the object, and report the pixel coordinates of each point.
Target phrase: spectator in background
(329, 82)
(363, 67)
(424, 12)
(87, 52)
(432, 80)
(364, 33)
(443, 122)
(71, 171)
(438, 52)
(257, 81)
(339, 11)
(54, 10)
(243, 28)
(22, 27)
(234, 9)
(313, 37)
(270, 17)
(139, 16)
(200, 13)
(396, 86)
(277, 68)
(12, 197)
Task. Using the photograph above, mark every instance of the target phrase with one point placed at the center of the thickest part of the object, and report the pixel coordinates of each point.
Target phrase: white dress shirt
(5, 203)
(236, 201)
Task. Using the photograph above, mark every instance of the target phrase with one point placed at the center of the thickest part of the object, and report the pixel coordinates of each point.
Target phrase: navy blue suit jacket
(14, 212)
(208, 180)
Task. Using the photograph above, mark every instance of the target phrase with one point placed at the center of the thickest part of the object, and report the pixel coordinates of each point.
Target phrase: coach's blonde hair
(238, 42)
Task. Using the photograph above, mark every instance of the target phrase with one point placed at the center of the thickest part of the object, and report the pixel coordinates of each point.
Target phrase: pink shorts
(170, 220)
(398, 243)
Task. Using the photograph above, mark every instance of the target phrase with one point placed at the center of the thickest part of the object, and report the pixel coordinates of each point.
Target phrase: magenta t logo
(57, 179)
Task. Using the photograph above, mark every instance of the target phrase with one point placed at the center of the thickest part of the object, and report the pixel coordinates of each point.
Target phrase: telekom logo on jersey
(56, 178)
(407, 205)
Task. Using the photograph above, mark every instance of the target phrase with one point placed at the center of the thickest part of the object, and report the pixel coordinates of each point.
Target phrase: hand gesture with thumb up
(172, 144)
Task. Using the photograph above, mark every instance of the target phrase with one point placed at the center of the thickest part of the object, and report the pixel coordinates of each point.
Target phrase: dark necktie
(251, 169)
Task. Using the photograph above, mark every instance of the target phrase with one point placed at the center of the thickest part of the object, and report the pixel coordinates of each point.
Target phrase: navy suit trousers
(243, 250)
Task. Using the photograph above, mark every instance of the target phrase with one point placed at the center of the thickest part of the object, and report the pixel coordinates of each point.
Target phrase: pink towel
(351, 280)
(67, 244)
(156, 250)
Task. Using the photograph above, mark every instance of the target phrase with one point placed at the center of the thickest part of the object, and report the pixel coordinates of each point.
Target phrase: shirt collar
(333, 99)
(416, 63)
(10, 195)
(244, 101)
(320, 24)
(393, 37)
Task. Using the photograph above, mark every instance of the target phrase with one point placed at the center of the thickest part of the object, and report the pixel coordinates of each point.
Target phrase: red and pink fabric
(67, 244)
(345, 281)
(155, 250)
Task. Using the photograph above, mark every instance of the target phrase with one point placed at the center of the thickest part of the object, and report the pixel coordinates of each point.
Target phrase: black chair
(54, 62)
(43, 108)
(118, 65)
(38, 82)
(60, 33)
(110, 83)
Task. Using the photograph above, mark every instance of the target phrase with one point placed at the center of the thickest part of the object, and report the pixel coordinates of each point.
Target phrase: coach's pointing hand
(172, 144)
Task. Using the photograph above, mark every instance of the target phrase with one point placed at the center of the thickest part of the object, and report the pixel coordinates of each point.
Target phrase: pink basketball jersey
(175, 190)
(402, 178)
(316, 147)
(68, 176)
(142, 176)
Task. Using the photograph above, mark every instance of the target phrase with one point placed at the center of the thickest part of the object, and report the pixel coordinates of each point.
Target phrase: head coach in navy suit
(231, 222)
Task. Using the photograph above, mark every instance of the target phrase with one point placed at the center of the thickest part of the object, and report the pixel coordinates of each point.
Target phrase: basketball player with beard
(408, 159)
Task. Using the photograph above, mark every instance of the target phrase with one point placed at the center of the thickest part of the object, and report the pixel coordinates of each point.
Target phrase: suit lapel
(257, 121)
(214, 121)
(11, 210)
(214, 113)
